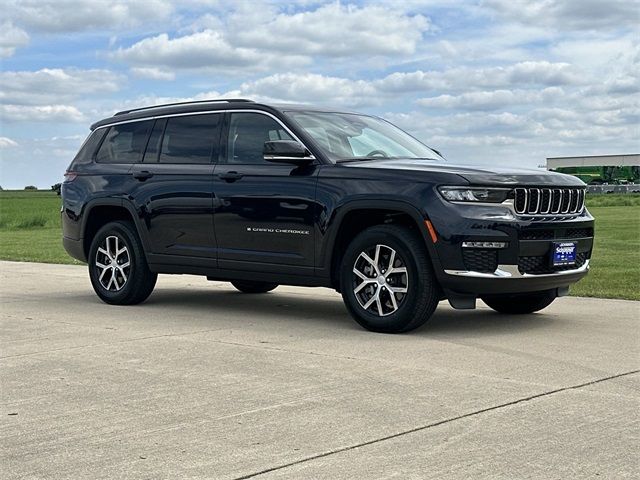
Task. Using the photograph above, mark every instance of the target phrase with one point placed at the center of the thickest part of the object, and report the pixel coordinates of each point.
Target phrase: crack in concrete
(435, 424)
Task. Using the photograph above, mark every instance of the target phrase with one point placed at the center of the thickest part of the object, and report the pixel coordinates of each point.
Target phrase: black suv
(262, 195)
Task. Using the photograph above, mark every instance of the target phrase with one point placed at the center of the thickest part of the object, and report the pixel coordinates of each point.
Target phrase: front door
(264, 212)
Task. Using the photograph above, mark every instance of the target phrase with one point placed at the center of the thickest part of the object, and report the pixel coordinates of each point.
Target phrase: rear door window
(191, 139)
(124, 143)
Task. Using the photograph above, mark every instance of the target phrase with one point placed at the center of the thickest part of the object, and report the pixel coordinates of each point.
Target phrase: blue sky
(494, 81)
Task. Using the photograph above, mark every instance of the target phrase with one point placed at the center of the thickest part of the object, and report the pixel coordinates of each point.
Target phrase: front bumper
(523, 265)
(507, 279)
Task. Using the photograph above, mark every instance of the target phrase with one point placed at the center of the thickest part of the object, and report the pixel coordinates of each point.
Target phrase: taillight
(70, 176)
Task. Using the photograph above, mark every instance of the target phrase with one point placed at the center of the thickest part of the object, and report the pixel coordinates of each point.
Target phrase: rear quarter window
(88, 148)
(124, 143)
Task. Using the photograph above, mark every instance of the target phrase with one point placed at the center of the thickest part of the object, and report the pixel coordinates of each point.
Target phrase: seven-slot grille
(548, 201)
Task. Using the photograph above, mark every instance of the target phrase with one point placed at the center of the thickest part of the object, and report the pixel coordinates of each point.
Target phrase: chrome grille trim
(546, 196)
(548, 201)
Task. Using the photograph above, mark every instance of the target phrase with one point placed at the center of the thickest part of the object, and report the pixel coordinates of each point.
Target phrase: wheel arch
(99, 212)
(356, 216)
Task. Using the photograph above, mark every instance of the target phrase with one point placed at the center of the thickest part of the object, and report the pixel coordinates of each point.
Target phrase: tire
(128, 280)
(416, 291)
(248, 286)
(522, 303)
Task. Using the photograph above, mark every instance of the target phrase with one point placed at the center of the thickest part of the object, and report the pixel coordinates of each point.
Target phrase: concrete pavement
(204, 382)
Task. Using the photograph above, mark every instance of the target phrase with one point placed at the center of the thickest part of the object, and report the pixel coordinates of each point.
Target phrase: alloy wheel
(380, 280)
(114, 263)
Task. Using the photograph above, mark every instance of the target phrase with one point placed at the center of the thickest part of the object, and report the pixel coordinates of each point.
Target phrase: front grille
(548, 201)
(539, 265)
(579, 233)
(480, 260)
(538, 234)
(549, 234)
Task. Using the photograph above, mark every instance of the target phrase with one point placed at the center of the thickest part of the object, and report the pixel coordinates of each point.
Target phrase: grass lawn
(615, 262)
(30, 232)
(30, 227)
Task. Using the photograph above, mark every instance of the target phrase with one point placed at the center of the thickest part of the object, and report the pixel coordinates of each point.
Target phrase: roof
(632, 159)
(203, 105)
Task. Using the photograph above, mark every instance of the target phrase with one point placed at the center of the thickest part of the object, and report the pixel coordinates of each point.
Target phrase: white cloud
(58, 16)
(492, 80)
(11, 37)
(529, 73)
(153, 73)
(6, 142)
(317, 88)
(106, 109)
(53, 85)
(40, 113)
(335, 30)
(493, 100)
(202, 50)
(263, 39)
(570, 14)
(309, 88)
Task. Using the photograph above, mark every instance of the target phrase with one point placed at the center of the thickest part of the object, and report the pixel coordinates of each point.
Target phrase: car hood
(474, 174)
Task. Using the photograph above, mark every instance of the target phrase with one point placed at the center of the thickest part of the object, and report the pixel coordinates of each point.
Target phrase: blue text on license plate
(564, 253)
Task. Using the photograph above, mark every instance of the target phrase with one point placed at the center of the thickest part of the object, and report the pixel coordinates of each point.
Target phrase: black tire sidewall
(419, 275)
(138, 266)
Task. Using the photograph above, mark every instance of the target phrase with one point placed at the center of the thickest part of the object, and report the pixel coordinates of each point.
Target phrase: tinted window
(153, 146)
(247, 134)
(347, 135)
(191, 139)
(89, 147)
(124, 143)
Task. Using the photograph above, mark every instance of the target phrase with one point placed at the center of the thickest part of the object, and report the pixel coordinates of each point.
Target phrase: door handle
(231, 176)
(142, 175)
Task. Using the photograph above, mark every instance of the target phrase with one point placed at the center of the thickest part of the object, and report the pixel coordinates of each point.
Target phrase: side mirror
(287, 151)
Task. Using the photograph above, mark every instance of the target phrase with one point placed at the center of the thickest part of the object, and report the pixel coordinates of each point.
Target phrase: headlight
(474, 194)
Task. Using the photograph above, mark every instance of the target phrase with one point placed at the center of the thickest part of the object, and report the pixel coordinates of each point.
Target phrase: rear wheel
(247, 286)
(386, 280)
(521, 303)
(117, 266)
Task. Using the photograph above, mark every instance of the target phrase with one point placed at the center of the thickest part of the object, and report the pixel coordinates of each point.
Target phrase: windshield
(348, 136)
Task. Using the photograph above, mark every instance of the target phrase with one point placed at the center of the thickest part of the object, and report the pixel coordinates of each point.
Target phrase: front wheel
(521, 303)
(386, 280)
(248, 286)
(117, 266)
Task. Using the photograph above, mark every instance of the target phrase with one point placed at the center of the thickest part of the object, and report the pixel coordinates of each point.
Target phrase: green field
(30, 232)
(30, 227)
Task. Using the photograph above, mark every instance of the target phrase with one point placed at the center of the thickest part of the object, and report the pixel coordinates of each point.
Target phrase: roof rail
(195, 102)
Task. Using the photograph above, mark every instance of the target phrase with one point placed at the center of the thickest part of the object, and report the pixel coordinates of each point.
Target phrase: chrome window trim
(205, 112)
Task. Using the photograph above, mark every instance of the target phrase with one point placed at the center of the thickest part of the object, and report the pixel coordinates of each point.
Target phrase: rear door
(173, 185)
(264, 216)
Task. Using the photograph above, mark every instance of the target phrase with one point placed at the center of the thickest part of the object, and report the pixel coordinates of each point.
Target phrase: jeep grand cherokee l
(261, 195)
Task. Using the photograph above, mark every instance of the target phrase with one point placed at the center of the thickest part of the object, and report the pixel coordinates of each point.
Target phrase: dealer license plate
(564, 253)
